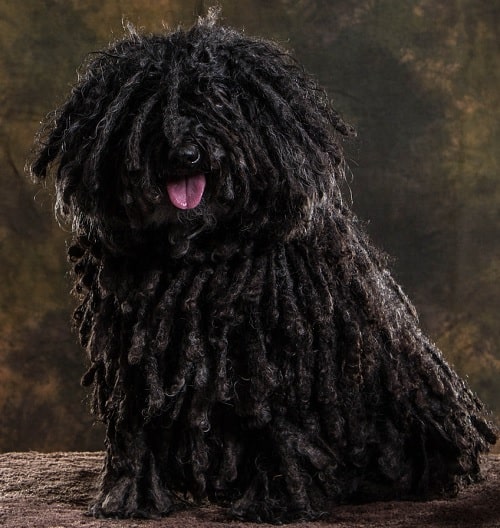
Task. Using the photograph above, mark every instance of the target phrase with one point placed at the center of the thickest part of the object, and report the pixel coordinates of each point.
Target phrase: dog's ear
(46, 149)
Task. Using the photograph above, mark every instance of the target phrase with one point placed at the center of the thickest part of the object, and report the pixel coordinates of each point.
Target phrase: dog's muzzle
(185, 181)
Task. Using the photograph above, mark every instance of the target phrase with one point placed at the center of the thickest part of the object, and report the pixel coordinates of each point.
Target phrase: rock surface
(53, 490)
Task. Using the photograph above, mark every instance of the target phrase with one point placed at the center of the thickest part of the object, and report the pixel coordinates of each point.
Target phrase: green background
(419, 80)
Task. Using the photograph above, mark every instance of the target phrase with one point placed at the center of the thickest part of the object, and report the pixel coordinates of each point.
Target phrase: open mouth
(186, 192)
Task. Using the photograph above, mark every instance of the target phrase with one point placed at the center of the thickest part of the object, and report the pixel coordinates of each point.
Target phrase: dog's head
(196, 131)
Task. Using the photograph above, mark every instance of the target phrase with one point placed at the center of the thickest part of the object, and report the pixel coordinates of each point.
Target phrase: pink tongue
(187, 192)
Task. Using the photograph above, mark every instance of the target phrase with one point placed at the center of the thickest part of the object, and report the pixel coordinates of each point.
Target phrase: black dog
(246, 342)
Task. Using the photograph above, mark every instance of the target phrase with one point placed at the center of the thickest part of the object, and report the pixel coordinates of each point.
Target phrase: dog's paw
(272, 512)
(125, 500)
(259, 505)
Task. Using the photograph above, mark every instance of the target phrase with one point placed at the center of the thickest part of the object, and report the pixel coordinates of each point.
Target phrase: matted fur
(253, 349)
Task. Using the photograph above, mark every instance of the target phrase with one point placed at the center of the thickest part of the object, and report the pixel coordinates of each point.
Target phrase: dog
(246, 341)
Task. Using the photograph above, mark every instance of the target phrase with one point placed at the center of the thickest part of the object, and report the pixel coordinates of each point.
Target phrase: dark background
(419, 79)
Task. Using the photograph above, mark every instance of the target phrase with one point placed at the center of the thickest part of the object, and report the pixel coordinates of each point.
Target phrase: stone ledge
(52, 491)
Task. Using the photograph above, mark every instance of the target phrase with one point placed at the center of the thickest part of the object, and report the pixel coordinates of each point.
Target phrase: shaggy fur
(247, 345)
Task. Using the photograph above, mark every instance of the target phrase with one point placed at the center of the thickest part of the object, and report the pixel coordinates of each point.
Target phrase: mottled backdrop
(418, 78)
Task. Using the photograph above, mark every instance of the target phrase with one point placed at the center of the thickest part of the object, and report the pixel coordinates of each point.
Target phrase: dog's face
(194, 131)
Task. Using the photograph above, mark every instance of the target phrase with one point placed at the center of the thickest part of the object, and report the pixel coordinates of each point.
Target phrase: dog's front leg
(130, 484)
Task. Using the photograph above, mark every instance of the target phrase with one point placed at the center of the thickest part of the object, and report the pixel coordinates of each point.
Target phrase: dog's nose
(186, 155)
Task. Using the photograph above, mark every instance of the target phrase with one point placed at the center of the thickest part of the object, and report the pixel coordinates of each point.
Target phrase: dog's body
(246, 341)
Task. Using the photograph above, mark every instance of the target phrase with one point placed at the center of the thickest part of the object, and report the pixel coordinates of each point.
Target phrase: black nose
(187, 155)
